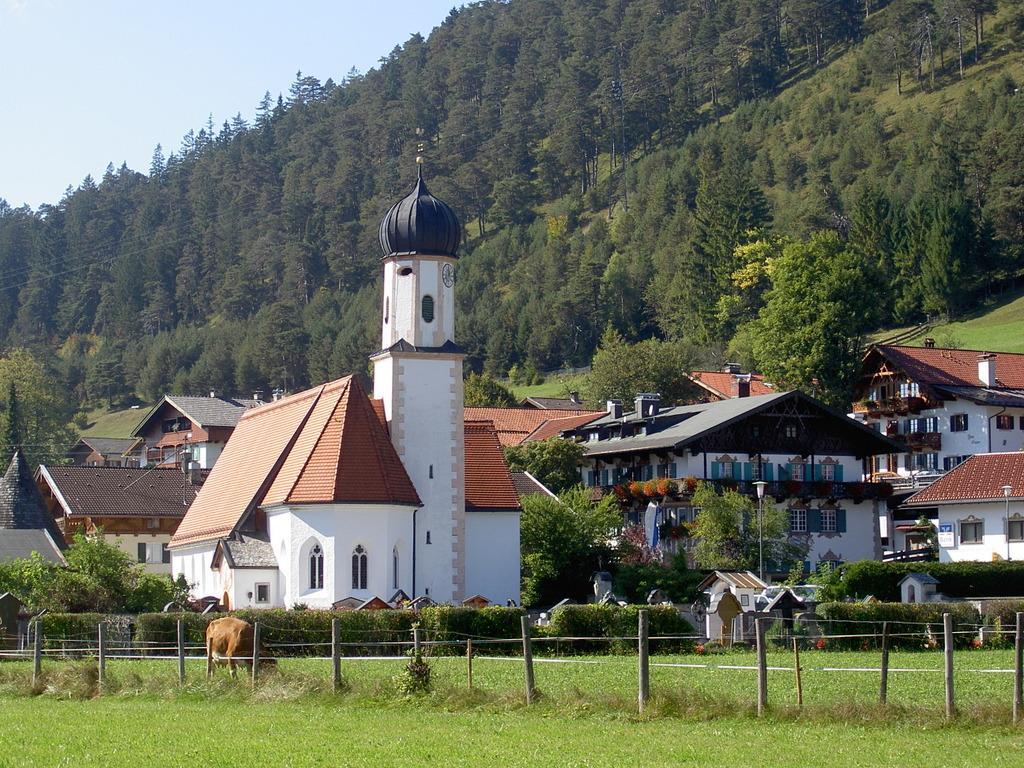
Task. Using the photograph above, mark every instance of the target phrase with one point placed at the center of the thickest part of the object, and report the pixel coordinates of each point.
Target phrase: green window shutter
(716, 469)
(839, 473)
(817, 471)
(814, 520)
(785, 471)
(768, 467)
(672, 469)
(841, 520)
(748, 470)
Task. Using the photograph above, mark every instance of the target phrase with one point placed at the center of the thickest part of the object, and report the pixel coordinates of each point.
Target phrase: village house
(728, 383)
(26, 527)
(184, 428)
(811, 458)
(136, 509)
(331, 495)
(104, 452)
(978, 508)
(516, 426)
(941, 405)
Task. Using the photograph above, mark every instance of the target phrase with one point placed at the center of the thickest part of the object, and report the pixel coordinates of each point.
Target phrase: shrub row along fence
(391, 641)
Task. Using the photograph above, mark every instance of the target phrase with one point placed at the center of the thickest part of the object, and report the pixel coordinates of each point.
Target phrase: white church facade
(331, 494)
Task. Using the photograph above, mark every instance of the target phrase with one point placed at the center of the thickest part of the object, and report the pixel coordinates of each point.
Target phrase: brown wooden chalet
(104, 452)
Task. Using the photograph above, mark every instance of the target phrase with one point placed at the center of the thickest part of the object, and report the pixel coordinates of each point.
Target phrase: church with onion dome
(335, 496)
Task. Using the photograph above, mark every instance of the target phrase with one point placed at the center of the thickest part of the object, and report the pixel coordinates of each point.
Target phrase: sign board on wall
(946, 535)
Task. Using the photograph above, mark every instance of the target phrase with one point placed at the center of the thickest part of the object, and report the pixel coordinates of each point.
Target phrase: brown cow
(229, 639)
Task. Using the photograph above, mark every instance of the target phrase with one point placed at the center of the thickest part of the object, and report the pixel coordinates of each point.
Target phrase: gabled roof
(21, 505)
(514, 425)
(488, 481)
(17, 544)
(937, 366)
(107, 446)
(552, 403)
(204, 411)
(679, 426)
(735, 579)
(244, 550)
(922, 578)
(723, 385)
(121, 491)
(980, 478)
(528, 485)
(323, 445)
(554, 427)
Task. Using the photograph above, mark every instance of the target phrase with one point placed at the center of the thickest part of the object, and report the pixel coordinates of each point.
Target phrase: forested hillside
(653, 166)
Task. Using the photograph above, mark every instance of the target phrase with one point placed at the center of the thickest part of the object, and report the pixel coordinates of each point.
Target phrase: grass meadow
(585, 714)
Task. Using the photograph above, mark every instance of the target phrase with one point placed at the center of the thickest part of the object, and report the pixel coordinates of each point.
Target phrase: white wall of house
(492, 555)
(992, 545)
(206, 454)
(129, 543)
(194, 563)
(339, 529)
(241, 586)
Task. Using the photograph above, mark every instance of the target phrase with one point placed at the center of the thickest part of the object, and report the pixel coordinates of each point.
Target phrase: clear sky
(84, 83)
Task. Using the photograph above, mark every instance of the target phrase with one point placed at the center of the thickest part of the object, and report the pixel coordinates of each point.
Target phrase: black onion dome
(420, 223)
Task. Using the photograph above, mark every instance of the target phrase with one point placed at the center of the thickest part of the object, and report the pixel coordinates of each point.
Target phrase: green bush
(964, 579)
(907, 623)
(610, 621)
(1005, 611)
(70, 630)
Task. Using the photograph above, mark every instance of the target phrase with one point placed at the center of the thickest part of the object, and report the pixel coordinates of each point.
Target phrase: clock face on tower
(448, 275)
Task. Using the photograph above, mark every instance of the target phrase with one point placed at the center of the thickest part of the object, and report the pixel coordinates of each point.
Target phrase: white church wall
(492, 555)
(194, 563)
(243, 588)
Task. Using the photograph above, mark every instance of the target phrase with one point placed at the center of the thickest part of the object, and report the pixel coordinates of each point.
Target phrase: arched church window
(428, 308)
(394, 567)
(359, 568)
(316, 567)
(387, 308)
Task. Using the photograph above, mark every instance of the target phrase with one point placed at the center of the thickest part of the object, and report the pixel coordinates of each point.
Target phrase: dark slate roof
(21, 505)
(204, 411)
(449, 347)
(109, 446)
(121, 491)
(999, 397)
(248, 551)
(18, 544)
(556, 403)
(420, 223)
(679, 426)
(528, 485)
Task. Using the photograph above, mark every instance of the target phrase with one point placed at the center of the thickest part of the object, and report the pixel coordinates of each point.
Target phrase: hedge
(614, 621)
(906, 619)
(964, 579)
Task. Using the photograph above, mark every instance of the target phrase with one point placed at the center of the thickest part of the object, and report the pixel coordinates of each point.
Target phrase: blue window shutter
(648, 472)
(672, 469)
(748, 470)
(807, 566)
(591, 480)
(716, 469)
(841, 520)
(817, 471)
(785, 471)
(814, 520)
(768, 467)
(607, 476)
(839, 473)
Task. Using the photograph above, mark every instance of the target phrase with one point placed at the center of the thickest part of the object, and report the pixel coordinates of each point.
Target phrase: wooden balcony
(893, 406)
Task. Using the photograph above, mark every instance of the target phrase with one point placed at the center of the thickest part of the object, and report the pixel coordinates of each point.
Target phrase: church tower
(418, 375)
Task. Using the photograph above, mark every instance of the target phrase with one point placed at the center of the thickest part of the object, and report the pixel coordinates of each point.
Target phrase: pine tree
(12, 421)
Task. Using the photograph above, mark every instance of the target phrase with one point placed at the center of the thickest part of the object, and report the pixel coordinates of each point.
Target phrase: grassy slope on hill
(1000, 329)
(101, 423)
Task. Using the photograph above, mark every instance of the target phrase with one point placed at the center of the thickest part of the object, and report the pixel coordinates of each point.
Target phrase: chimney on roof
(929, 343)
(257, 395)
(213, 393)
(574, 398)
(647, 404)
(193, 473)
(278, 394)
(743, 386)
(987, 369)
(614, 408)
(732, 368)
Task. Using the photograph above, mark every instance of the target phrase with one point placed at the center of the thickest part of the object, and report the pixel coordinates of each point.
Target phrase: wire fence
(530, 650)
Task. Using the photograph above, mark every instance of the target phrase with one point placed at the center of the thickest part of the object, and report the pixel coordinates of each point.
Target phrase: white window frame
(725, 470)
(798, 520)
(828, 472)
(828, 520)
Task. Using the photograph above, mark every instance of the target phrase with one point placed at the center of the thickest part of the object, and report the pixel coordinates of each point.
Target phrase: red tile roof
(554, 427)
(723, 384)
(488, 481)
(324, 445)
(953, 367)
(514, 425)
(980, 478)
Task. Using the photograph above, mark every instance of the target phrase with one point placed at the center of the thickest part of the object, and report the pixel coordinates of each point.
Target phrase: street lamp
(760, 485)
(1006, 497)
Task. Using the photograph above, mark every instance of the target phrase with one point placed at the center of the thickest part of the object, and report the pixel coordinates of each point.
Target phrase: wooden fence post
(469, 662)
(255, 653)
(37, 652)
(643, 657)
(883, 685)
(762, 667)
(416, 642)
(947, 652)
(1018, 667)
(101, 655)
(181, 651)
(796, 665)
(528, 659)
(336, 654)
